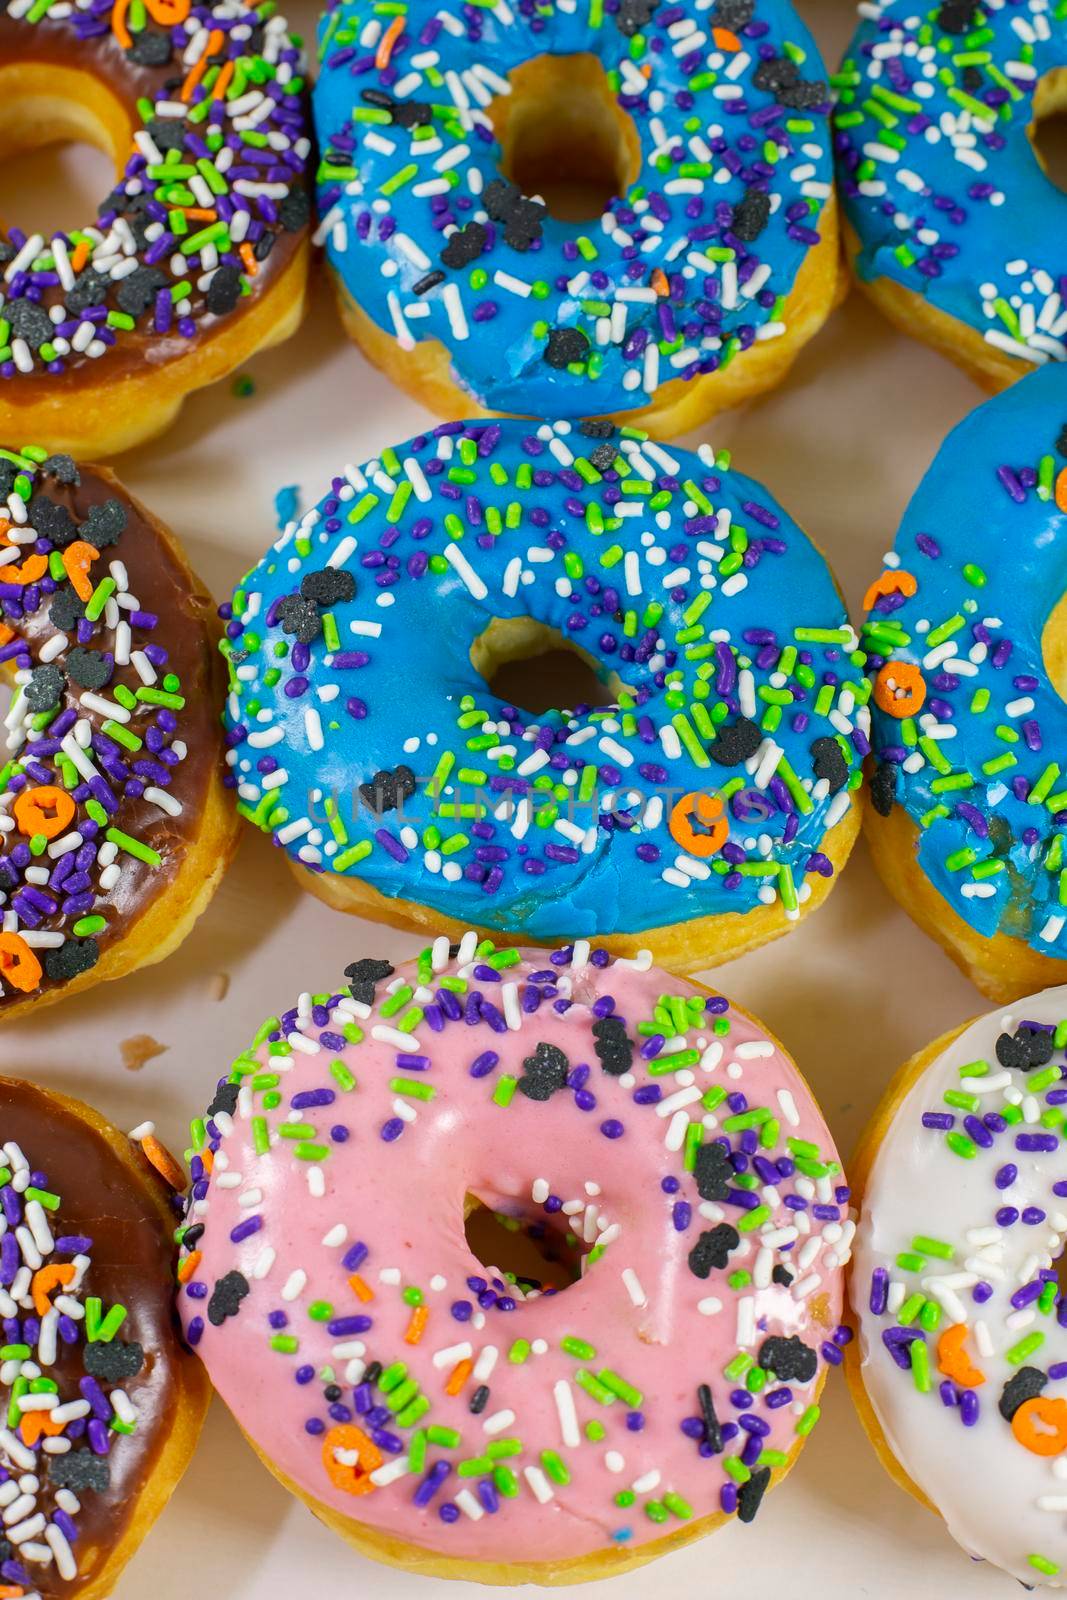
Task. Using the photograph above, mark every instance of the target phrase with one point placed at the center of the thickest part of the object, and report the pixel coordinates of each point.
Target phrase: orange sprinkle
(725, 40)
(45, 810)
(189, 1266)
(247, 255)
(34, 1423)
(28, 571)
(1061, 490)
(387, 43)
(160, 1157)
(118, 23)
(18, 965)
(458, 1376)
(659, 282)
(207, 1157)
(222, 82)
(354, 1478)
(168, 13)
(10, 1591)
(80, 256)
(47, 1279)
(77, 559)
(953, 1360)
(898, 582)
(361, 1287)
(6, 633)
(899, 689)
(417, 1326)
(1040, 1425)
(199, 214)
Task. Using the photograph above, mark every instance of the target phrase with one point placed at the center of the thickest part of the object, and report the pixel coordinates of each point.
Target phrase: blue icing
(938, 176)
(985, 780)
(669, 569)
(532, 293)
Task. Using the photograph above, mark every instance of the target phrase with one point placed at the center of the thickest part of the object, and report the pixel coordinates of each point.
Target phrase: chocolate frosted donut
(197, 258)
(113, 827)
(102, 1406)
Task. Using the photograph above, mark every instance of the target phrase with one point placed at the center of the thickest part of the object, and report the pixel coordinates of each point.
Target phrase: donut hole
(564, 137)
(64, 138)
(534, 668)
(1048, 130)
(533, 1252)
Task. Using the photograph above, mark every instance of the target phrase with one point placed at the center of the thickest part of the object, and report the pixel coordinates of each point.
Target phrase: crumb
(139, 1050)
(219, 987)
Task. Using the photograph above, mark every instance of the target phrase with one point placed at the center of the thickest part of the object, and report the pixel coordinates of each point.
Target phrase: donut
(102, 1403)
(638, 1380)
(959, 1366)
(952, 223)
(700, 814)
(965, 640)
(704, 261)
(115, 827)
(199, 255)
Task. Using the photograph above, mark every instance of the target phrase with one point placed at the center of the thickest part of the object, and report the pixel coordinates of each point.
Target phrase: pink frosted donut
(648, 1147)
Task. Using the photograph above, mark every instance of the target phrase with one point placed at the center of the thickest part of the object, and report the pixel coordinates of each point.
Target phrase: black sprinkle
(167, 134)
(224, 290)
(226, 1298)
(596, 428)
(113, 1362)
(150, 49)
(614, 1048)
(712, 1171)
(544, 1072)
(329, 586)
(90, 289)
(1026, 1384)
(750, 1494)
(71, 958)
(431, 280)
(61, 468)
(332, 1392)
(1061, 442)
(90, 669)
(295, 209)
(7, 478)
(301, 617)
(884, 787)
(137, 292)
(782, 1275)
(192, 1236)
(603, 456)
(104, 525)
(957, 16)
(1025, 1049)
(479, 1400)
(79, 1470)
(66, 610)
(52, 521)
(263, 246)
(734, 14)
(29, 321)
(633, 15)
(735, 742)
(828, 761)
(751, 215)
(565, 346)
(712, 1249)
(363, 976)
(791, 1360)
(972, 80)
(45, 687)
(523, 219)
(388, 790)
(225, 1099)
(412, 114)
(374, 1371)
(465, 245)
(712, 1430)
(780, 76)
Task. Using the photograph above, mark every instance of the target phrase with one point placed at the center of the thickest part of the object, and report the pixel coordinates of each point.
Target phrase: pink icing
(653, 1323)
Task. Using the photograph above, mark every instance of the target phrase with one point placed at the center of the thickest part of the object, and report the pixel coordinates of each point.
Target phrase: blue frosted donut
(969, 733)
(941, 185)
(702, 263)
(716, 792)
